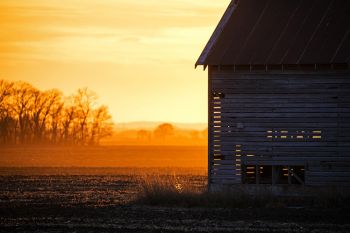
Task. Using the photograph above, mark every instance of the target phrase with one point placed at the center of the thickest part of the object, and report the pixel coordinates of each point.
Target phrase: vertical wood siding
(280, 119)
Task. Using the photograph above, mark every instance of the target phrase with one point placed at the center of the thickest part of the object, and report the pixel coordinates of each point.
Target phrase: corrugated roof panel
(268, 31)
(248, 47)
(314, 48)
(306, 32)
(237, 28)
(342, 54)
(288, 34)
(334, 33)
(283, 32)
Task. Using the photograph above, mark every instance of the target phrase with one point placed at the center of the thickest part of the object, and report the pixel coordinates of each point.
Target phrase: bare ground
(161, 219)
(100, 203)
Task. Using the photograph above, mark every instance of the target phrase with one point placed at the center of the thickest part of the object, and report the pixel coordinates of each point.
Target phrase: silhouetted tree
(101, 125)
(55, 108)
(42, 108)
(23, 102)
(164, 130)
(28, 115)
(7, 123)
(68, 115)
(84, 100)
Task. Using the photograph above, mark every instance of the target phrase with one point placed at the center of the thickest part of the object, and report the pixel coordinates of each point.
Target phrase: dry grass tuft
(176, 192)
(166, 190)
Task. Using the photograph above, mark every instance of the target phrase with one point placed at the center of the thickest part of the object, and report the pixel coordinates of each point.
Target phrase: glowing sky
(138, 55)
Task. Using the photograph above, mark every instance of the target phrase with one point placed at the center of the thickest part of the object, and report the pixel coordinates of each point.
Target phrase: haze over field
(138, 56)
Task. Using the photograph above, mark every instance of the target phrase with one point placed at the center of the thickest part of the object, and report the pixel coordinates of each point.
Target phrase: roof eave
(202, 60)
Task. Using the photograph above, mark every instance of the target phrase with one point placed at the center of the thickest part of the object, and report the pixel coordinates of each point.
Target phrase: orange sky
(137, 55)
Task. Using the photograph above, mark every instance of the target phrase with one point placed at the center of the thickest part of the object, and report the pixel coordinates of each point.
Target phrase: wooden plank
(305, 154)
(275, 163)
(332, 184)
(224, 172)
(273, 141)
(328, 169)
(291, 91)
(230, 176)
(277, 83)
(271, 100)
(272, 83)
(285, 109)
(292, 136)
(286, 78)
(225, 181)
(329, 180)
(345, 173)
(281, 96)
(286, 104)
(288, 133)
(282, 79)
(234, 126)
(299, 159)
(281, 144)
(265, 148)
(223, 167)
(224, 162)
(261, 122)
(281, 115)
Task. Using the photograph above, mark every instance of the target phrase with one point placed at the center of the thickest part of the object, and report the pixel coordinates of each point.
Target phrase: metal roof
(281, 32)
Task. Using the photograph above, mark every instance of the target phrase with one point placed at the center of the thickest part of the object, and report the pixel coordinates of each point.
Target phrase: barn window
(249, 174)
(218, 95)
(295, 135)
(290, 175)
(257, 174)
(265, 174)
(277, 174)
(238, 160)
(281, 173)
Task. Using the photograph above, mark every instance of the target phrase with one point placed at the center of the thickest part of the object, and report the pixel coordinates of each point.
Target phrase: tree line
(31, 116)
(166, 133)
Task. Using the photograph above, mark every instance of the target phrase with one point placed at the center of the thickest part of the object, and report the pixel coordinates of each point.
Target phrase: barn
(279, 94)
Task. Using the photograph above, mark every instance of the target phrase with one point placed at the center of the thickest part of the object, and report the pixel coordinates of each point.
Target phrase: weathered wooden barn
(279, 93)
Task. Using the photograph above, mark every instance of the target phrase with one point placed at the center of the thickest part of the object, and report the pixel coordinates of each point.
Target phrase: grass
(176, 192)
(172, 191)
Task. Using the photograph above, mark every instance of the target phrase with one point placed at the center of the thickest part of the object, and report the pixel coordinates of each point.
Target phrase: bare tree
(101, 125)
(54, 113)
(28, 115)
(5, 91)
(84, 101)
(23, 101)
(67, 121)
(40, 112)
(6, 120)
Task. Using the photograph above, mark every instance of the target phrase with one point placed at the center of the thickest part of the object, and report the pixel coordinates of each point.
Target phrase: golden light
(137, 55)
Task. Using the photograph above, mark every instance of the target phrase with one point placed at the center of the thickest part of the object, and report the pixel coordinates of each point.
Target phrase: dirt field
(69, 197)
(104, 156)
(64, 200)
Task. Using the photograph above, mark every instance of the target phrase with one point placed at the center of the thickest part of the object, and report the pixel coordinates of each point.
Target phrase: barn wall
(279, 118)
